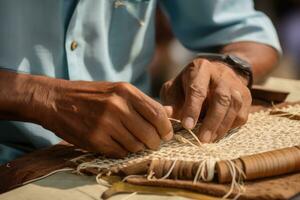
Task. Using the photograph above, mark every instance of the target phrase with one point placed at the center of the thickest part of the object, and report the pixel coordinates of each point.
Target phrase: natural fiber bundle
(185, 159)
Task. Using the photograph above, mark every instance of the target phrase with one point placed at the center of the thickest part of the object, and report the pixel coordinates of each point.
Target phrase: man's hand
(211, 87)
(110, 118)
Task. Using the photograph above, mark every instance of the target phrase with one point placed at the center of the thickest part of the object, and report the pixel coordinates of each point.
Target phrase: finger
(142, 129)
(155, 114)
(195, 83)
(235, 106)
(242, 115)
(171, 95)
(169, 110)
(127, 140)
(216, 113)
(151, 110)
(241, 119)
(108, 147)
(165, 89)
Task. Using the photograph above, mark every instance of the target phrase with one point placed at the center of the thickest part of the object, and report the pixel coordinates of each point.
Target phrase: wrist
(242, 77)
(241, 66)
(21, 96)
(40, 91)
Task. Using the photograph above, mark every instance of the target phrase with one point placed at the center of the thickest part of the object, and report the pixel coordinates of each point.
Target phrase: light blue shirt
(115, 43)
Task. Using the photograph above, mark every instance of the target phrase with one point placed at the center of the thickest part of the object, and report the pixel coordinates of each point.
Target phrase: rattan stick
(285, 114)
(262, 165)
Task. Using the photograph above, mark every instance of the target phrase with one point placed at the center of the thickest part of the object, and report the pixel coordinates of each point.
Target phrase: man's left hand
(211, 87)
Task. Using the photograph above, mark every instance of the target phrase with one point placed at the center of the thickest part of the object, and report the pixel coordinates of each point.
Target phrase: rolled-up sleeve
(202, 24)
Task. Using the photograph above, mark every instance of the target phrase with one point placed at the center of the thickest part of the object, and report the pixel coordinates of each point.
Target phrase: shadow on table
(66, 180)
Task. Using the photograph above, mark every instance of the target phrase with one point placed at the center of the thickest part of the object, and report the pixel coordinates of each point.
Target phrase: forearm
(263, 58)
(20, 98)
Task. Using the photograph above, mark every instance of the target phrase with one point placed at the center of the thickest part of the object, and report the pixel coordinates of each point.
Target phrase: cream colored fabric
(67, 186)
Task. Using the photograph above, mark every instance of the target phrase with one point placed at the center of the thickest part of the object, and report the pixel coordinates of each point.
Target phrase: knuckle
(190, 70)
(223, 98)
(201, 61)
(123, 88)
(197, 91)
(242, 119)
(166, 85)
(159, 114)
(237, 99)
(95, 143)
(93, 138)
(124, 85)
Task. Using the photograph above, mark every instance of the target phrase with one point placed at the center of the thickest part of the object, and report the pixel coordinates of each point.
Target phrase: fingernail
(169, 136)
(188, 123)
(206, 136)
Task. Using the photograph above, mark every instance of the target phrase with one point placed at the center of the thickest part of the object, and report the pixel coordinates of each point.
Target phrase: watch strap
(236, 63)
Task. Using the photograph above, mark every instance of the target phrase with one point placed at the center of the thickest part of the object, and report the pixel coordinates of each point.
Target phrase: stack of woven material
(267, 146)
(260, 160)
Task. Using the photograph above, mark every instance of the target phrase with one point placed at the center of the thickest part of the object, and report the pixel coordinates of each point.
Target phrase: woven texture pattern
(263, 132)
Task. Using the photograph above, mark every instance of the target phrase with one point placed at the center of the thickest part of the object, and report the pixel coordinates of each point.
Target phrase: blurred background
(170, 56)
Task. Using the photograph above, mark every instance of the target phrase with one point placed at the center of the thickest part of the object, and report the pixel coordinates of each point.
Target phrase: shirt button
(74, 45)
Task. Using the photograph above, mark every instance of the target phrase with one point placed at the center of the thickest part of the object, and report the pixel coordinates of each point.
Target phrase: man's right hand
(110, 118)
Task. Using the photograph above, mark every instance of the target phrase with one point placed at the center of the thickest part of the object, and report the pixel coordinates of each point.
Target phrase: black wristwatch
(239, 65)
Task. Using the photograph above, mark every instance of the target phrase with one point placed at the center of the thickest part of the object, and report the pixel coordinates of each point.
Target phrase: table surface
(66, 186)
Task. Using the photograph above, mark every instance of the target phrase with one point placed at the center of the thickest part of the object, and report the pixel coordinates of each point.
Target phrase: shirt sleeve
(203, 24)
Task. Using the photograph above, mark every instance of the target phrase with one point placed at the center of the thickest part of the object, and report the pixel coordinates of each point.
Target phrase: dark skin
(225, 91)
(116, 118)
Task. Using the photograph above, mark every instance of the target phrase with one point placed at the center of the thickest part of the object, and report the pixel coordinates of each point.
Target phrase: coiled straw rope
(206, 167)
(265, 131)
